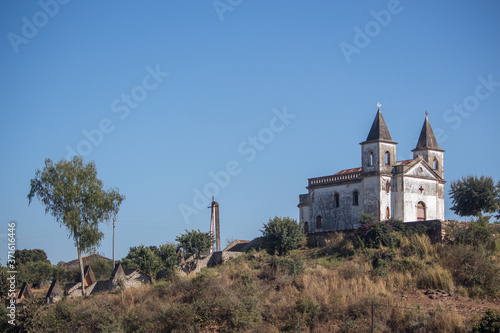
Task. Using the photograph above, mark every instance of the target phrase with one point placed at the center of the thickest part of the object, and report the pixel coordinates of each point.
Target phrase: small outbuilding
(25, 292)
(55, 293)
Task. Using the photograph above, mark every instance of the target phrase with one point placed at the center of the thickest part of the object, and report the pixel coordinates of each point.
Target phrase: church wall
(413, 195)
(333, 218)
(385, 197)
(397, 198)
(305, 215)
(440, 202)
(371, 189)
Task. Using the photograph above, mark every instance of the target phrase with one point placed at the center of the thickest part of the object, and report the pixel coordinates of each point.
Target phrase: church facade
(410, 190)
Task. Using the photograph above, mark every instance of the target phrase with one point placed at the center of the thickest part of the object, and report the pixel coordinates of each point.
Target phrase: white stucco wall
(413, 195)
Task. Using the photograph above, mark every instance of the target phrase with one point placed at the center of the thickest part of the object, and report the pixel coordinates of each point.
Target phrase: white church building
(410, 190)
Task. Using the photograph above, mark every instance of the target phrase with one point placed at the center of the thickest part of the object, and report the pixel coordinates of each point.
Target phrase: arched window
(387, 158)
(388, 186)
(370, 159)
(421, 211)
(318, 222)
(306, 227)
(387, 213)
(336, 198)
(355, 198)
(435, 164)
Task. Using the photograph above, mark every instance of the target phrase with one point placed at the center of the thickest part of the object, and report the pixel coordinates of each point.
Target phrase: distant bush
(490, 323)
(281, 235)
(374, 233)
(292, 265)
(477, 234)
(473, 268)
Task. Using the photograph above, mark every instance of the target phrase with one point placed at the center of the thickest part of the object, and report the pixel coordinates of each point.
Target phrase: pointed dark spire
(379, 129)
(427, 140)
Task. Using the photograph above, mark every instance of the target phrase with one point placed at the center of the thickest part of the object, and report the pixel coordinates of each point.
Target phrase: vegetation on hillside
(328, 286)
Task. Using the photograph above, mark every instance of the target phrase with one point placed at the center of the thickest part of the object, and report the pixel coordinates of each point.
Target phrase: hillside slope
(413, 286)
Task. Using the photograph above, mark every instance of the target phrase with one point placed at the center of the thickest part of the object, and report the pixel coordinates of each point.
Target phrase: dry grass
(265, 294)
(435, 277)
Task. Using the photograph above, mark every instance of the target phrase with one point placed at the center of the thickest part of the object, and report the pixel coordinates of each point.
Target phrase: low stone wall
(319, 239)
(213, 259)
(435, 229)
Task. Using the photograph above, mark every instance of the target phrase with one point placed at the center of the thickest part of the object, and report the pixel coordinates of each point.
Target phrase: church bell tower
(428, 148)
(378, 152)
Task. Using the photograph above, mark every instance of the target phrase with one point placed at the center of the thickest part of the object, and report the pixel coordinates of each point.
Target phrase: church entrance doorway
(420, 211)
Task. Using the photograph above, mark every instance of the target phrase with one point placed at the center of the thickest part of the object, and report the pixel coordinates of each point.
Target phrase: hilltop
(323, 286)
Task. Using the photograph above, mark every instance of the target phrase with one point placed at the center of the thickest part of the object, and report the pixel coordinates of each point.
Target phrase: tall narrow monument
(214, 225)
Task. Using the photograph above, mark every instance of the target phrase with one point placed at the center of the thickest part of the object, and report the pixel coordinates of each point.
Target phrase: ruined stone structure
(89, 282)
(120, 278)
(25, 292)
(234, 250)
(410, 190)
(55, 293)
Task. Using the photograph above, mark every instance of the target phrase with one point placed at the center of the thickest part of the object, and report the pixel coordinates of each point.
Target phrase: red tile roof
(405, 162)
(342, 172)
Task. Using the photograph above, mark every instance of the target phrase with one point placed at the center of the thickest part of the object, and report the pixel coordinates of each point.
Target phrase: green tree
(145, 258)
(62, 275)
(34, 272)
(75, 197)
(102, 268)
(195, 242)
(25, 256)
(473, 196)
(168, 257)
(282, 235)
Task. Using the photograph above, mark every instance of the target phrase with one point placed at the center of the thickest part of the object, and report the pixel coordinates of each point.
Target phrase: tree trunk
(81, 271)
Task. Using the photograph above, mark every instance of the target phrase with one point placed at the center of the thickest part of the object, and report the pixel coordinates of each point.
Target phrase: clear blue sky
(218, 73)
